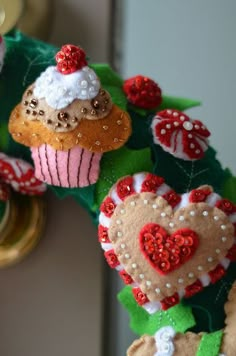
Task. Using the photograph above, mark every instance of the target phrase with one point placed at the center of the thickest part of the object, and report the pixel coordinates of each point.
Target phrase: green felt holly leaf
(168, 102)
(229, 189)
(210, 344)
(119, 163)
(25, 59)
(141, 322)
(208, 305)
(185, 175)
(112, 82)
(141, 136)
(171, 102)
(2, 209)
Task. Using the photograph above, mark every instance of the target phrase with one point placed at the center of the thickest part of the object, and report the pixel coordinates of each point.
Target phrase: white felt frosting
(2, 52)
(59, 90)
(164, 341)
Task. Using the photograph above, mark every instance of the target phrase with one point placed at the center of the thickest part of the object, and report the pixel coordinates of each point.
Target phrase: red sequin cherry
(167, 252)
(70, 59)
(139, 296)
(199, 195)
(142, 92)
(125, 187)
(108, 206)
(151, 183)
(111, 258)
(226, 206)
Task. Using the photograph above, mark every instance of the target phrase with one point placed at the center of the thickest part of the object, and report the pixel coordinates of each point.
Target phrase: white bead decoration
(118, 221)
(216, 218)
(134, 265)
(217, 250)
(205, 213)
(171, 224)
(192, 213)
(148, 283)
(141, 276)
(224, 239)
(119, 234)
(223, 227)
(163, 214)
(163, 131)
(191, 275)
(154, 206)
(127, 256)
(181, 218)
(187, 125)
(200, 268)
(122, 246)
(180, 280)
(132, 203)
(168, 285)
(210, 259)
(157, 290)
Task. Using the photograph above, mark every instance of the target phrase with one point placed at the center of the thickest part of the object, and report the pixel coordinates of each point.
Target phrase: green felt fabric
(186, 175)
(25, 59)
(168, 102)
(179, 317)
(210, 344)
(208, 305)
(116, 164)
(2, 209)
(229, 189)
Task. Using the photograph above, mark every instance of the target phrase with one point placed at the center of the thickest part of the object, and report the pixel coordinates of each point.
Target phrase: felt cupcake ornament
(179, 135)
(69, 121)
(2, 52)
(165, 245)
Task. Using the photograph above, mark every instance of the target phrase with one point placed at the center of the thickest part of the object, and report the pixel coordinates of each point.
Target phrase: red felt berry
(142, 92)
(70, 59)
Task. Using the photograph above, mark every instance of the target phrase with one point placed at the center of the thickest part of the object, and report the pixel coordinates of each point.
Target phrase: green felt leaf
(2, 209)
(208, 305)
(119, 163)
(210, 344)
(112, 82)
(186, 175)
(168, 102)
(141, 136)
(179, 317)
(229, 189)
(25, 59)
(171, 102)
(107, 75)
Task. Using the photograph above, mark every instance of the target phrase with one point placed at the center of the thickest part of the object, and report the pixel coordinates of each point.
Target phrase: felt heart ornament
(167, 246)
(167, 252)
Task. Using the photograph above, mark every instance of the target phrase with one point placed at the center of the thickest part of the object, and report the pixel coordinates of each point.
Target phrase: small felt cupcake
(69, 121)
(2, 52)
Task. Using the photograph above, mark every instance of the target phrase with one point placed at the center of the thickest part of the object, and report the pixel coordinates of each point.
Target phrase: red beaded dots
(142, 92)
(167, 252)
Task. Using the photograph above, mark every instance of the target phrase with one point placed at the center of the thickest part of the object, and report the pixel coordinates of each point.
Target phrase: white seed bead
(216, 218)
(180, 280)
(127, 255)
(224, 239)
(119, 234)
(168, 285)
(157, 290)
(171, 224)
(132, 203)
(148, 283)
(141, 276)
(163, 214)
(118, 221)
(210, 259)
(154, 206)
(217, 250)
(192, 213)
(205, 213)
(122, 246)
(200, 268)
(134, 265)
(223, 227)
(181, 218)
(191, 275)
(163, 131)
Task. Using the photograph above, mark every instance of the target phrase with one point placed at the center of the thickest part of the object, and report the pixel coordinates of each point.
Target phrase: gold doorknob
(21, 227)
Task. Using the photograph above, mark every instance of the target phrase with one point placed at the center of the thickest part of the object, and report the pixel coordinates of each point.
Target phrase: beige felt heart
(139, 211)
(207, 229)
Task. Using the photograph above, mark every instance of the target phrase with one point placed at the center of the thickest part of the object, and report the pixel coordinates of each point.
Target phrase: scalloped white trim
(164, 341)
(59, 90)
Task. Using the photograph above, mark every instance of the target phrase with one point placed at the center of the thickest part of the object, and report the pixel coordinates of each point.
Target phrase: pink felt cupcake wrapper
(76, 167)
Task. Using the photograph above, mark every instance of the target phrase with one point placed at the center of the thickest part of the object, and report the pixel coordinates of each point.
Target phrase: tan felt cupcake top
(66, 119)
(106, 134)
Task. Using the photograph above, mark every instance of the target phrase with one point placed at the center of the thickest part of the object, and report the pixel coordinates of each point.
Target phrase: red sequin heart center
(167, 252)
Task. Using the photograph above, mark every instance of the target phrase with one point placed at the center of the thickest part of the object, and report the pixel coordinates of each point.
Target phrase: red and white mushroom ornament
(179, 135)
